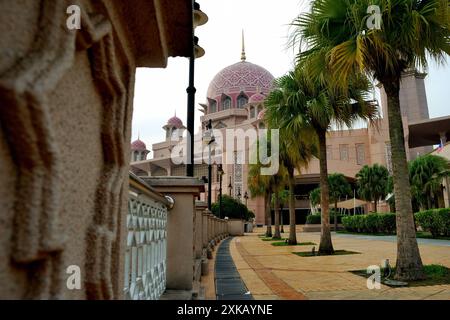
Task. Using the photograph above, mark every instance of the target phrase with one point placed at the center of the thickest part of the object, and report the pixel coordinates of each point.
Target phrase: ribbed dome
(138, 145)
(175, 122)
(240, 77)
(256, 98)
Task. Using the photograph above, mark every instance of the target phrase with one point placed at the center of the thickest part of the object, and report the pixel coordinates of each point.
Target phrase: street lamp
(230, 187)
(220, 172)
(198, 18)
(239, 194)
(246, 198)
(209, 139)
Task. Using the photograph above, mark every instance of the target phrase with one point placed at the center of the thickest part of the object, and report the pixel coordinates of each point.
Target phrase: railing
(145, 257)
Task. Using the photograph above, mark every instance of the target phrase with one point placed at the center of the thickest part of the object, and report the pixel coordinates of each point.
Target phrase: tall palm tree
(409, 32)
(283, 195)
(372, 182)
(298, 143)
(302, 104)
(267, 186)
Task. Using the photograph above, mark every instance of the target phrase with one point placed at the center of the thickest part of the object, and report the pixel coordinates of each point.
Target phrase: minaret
(243, 57)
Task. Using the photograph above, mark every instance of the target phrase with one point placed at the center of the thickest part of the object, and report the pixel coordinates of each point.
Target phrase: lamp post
(246, 198)
(230, 187)
(239, 195)
(198, 19)
(220, 172)
(209, 139)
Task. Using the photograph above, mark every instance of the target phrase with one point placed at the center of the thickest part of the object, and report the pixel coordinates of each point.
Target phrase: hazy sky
(160, 93)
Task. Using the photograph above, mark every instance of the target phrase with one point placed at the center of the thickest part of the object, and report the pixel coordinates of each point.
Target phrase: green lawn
(336, 253)
(436, 275)
(419, 234)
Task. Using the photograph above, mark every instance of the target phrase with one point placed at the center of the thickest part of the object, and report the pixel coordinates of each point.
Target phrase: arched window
(242, 101)
(252, 112)
(212, 106)
(226, 102)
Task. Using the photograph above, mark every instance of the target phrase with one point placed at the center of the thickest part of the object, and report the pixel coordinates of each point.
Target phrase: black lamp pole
(191, 104)
(211, 137)
(220, 171)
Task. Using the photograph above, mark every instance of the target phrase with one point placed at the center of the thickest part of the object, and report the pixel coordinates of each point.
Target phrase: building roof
(243, 76)
(138, 145)
(428, 132)
(257, 98)
(175, 122)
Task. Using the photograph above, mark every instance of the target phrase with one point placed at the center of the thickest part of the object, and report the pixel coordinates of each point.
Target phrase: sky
(160, 93)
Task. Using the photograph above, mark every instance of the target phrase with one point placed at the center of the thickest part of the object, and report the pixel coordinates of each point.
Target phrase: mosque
(235, 100)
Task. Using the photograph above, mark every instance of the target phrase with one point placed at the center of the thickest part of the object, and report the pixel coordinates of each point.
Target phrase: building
(235, 100)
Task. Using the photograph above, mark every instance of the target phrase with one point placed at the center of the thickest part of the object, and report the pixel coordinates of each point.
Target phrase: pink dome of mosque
(175, 122)
(257, 98)
(138, 145)
(240, 77)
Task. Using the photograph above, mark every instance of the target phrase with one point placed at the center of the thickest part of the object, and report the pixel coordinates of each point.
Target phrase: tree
(409, 33)
(266, 185)
(372, 183)
(302, 104)
(298, 142)
(339, 188)
(283, 195)
(232, 209)
(426, 174)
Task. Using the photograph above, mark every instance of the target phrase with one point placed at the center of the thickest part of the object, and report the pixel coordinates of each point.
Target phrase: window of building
(343, 152)
(212, 106)
(226, 102)
(252, 112)
(242, 101)
(360, 154)
(329, 152)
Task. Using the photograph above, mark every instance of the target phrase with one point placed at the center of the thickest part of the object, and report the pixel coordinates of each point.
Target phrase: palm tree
(298, 143)
(426, 174)
(339, 188)
(409, 32)
(267, 186)
(283, 195)
(372, 183)
(302, 104)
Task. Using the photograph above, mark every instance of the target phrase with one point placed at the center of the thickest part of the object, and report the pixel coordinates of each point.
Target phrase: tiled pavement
(275, 273)
(229, 285)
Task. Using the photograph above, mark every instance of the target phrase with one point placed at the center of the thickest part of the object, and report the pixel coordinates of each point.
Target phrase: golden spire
(243, 57)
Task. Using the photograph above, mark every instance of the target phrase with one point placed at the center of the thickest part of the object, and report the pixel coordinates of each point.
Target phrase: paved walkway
(271, 272)
(229, 285)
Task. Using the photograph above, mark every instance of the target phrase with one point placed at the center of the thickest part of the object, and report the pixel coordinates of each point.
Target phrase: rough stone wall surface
(65, 116)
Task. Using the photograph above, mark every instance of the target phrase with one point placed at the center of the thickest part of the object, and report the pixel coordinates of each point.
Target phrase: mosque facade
(235, 100)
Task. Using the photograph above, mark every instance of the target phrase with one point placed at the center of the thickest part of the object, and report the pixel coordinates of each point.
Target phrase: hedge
(315, 218)
(370, 223)
(436, 221)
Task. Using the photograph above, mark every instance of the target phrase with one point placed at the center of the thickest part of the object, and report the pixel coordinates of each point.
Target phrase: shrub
(370, 223)
(316, 218)
(232, 209)
(436, 221)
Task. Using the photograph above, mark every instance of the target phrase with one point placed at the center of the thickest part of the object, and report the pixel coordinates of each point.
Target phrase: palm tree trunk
(335, 215)
(281, 218)
(409, 263)
(326, 246)
(268, 216)
(276, 208)
(292, 232)
(375, 206)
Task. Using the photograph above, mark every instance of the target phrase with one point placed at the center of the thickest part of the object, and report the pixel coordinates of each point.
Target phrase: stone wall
(65, 116)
